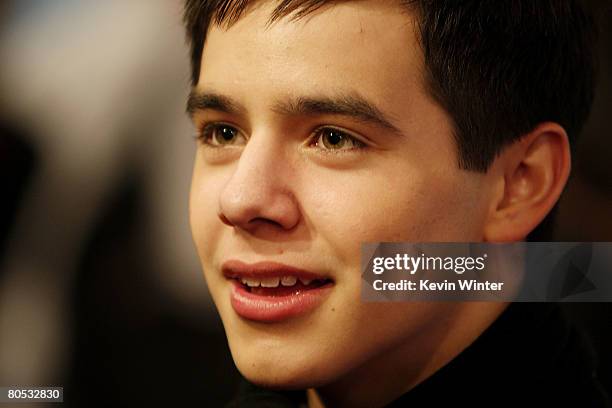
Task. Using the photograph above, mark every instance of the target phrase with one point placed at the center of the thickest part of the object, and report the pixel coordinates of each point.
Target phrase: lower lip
(272, 309)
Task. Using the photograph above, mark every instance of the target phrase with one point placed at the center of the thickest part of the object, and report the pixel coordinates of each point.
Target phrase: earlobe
(531, 174)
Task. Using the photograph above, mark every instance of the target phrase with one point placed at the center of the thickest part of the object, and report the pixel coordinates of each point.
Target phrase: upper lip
(233, 269)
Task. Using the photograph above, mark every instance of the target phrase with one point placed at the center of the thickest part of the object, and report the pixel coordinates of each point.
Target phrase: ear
(529, 176)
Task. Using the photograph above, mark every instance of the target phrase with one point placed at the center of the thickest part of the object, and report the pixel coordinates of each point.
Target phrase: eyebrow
(209, 100)
(351, 105)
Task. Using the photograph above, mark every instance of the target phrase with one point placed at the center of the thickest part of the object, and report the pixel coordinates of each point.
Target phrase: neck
(396, 371)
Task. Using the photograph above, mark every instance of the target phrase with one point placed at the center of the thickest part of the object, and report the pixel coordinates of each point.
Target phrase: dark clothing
(531, 356)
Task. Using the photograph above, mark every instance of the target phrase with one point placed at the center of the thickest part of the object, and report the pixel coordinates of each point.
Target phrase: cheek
(206, 186)
(350, 209)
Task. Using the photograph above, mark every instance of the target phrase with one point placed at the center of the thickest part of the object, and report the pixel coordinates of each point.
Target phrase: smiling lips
(272, 292)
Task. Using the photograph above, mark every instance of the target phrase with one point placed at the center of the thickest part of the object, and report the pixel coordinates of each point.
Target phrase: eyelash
(207, 132)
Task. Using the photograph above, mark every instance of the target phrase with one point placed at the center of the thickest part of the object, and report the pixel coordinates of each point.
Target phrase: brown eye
(219, 134)
(335, 139)
(223, 135)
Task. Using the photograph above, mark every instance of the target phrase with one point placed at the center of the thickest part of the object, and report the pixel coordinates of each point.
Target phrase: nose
(259, 191)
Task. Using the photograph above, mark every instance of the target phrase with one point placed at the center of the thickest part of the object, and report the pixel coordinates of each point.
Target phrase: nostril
(263, 220)
(224, 220)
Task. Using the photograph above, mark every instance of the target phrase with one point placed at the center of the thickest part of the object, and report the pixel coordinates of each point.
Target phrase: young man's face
(276, 187)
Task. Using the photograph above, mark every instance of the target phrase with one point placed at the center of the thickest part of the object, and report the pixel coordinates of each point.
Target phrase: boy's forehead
(365, 46)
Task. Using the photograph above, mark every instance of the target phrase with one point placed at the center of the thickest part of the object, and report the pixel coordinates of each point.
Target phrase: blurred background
(101, 291)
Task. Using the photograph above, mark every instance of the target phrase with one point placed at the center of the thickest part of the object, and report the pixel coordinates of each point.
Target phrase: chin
(296, 378)
(284, 369)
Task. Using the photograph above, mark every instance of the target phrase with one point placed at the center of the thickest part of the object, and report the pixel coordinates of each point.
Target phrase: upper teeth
(273, 282)
(251, 282)
(270, 282)
(288, 280)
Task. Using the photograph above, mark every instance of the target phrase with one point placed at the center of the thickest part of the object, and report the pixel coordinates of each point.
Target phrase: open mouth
(272, 292)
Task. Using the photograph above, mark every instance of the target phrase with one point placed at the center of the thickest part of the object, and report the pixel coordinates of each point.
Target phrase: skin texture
(276, 194)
